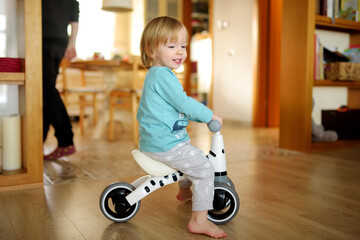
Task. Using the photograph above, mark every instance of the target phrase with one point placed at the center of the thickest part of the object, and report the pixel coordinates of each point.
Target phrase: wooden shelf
(30, 102)
(340, 25)
(12, 78)
(330, 83)
(299, 23)
(12, 173)
(323, 22)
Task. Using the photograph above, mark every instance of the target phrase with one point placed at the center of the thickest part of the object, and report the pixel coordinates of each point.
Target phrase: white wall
(9, 94)
(233, 61)
(108, 32)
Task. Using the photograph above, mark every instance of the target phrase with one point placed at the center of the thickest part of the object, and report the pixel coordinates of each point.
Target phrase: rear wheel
(113, 203)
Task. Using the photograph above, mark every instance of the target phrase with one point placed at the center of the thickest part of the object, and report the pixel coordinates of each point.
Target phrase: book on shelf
(321, 62)
(318, 59)
(329, 8)
(353, 53)
(336, 8)
(349, 10)
(323, 56)
(345, 9)
(315, 56)
(321, 7)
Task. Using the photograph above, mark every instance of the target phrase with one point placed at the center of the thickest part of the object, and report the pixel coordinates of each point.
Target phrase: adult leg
(54, 110)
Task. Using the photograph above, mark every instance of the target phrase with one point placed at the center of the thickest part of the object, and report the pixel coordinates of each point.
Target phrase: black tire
(226, 204)
(114, 205)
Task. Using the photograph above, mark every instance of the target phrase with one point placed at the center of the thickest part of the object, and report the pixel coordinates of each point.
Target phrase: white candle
(11, 142)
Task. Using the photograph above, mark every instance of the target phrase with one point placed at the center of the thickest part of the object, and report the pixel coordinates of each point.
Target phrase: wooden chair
(128, 98)
(87, 95)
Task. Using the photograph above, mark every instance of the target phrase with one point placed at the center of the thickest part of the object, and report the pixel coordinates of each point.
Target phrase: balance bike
(120, 201)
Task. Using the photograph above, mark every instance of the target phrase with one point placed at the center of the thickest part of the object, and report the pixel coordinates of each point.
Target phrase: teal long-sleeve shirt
(165, 111)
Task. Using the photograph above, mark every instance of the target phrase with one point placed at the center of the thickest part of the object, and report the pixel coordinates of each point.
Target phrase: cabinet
(297, 66)
(353, 28)
(30, 100)
(155, 8)
(200, 16)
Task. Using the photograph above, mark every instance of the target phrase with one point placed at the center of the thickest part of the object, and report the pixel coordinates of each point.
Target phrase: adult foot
(184, 193)
(60, 152)
(207, 228)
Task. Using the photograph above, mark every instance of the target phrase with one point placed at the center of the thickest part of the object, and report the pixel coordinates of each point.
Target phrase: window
(96, 30)
(2, 35)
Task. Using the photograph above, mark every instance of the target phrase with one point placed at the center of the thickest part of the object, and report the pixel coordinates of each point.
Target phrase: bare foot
(184, 193)
(199, 224)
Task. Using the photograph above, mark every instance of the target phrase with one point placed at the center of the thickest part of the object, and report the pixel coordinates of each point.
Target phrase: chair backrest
(77, 81)
(77, 77)
(181, 75)
(138, 73)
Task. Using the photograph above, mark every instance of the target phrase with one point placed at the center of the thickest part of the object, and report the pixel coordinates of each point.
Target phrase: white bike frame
(149, 183)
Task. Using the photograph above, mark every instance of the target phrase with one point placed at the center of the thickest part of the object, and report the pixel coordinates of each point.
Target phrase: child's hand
(218, 118)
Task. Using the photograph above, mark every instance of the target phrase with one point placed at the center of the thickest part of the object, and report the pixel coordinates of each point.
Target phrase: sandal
(60, 152)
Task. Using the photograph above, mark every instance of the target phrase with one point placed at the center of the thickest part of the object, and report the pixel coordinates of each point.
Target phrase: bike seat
(151, 166)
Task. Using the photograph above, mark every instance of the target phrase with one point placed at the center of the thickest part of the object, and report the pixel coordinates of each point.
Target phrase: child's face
(172, 54)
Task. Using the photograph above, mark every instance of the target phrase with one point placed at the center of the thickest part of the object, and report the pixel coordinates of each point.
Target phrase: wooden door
(266, 111)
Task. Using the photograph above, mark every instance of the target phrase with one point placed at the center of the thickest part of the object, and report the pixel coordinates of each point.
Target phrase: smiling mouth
(178, 61)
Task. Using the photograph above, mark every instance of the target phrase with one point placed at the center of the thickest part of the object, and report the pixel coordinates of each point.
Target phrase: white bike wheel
(114, 205)
(226, 204)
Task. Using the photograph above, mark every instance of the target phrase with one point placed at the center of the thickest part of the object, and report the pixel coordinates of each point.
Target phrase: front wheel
(114, 205)
(230, 183)
(226, 204)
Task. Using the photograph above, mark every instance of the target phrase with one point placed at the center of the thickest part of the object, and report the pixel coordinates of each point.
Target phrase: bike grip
(214, 126)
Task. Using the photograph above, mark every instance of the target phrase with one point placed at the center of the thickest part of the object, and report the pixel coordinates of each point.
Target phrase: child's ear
(151, 53)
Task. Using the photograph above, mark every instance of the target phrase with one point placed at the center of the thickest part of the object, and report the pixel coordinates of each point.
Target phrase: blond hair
(158, 31)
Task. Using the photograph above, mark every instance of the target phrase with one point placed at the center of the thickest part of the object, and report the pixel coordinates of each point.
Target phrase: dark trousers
(54, 111)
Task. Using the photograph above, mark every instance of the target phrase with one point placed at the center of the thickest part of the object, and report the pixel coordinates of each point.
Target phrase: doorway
(198, 80)
(267, 86)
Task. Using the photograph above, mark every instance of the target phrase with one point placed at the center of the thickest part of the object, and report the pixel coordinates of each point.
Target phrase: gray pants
(196, 166)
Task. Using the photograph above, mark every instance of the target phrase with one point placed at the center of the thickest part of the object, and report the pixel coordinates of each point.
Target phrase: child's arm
(169, 88)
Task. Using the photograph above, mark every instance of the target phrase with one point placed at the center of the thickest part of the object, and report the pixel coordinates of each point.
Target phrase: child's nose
(180, 51)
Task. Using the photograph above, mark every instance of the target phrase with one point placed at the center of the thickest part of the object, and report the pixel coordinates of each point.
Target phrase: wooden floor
(283, 194)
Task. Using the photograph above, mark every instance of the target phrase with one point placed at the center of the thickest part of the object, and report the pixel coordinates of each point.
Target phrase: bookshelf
(12, 78)
(324, 22)
(353, 28)
(330, 83)
(30, 100)
(297, 66)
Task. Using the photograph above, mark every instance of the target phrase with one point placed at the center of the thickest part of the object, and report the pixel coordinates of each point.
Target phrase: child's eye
(171, 46)
(184, 46)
